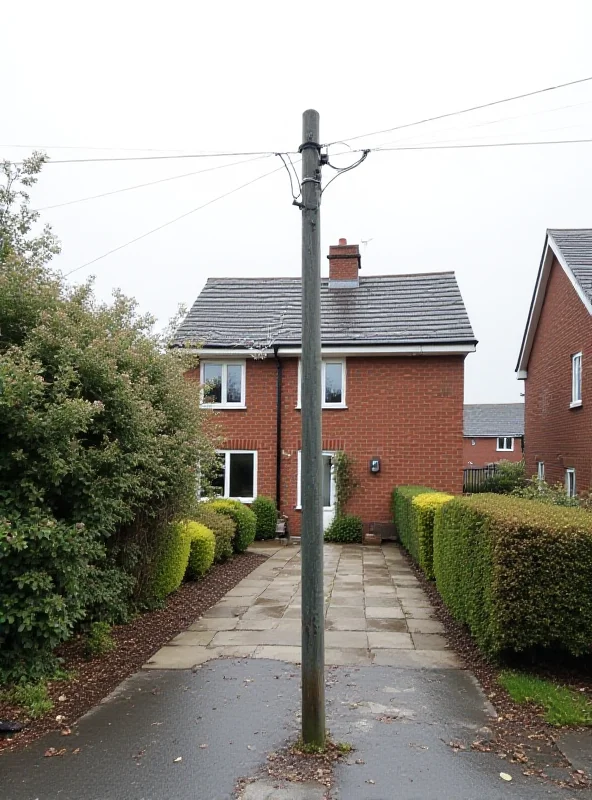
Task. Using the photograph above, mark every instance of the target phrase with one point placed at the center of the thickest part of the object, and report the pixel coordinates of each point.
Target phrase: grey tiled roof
(383, 309)
(575, 245)
(494, 419)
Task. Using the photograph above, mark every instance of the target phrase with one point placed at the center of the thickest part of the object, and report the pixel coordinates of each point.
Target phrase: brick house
(492, 432)
(556, 345)
(393, 350)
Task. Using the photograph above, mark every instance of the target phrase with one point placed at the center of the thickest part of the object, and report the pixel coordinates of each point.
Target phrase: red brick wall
(554, 433)
(485, 451)
(406, 411)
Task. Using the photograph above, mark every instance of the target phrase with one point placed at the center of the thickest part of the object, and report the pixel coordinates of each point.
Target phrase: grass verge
(32, 697)
(562, 706)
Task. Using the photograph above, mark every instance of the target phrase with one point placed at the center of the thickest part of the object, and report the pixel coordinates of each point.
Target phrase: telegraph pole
(313, 604)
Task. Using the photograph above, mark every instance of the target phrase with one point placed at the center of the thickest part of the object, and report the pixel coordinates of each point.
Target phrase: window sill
(503, 451)
(224, 406)
(329, 407)
(575, 404)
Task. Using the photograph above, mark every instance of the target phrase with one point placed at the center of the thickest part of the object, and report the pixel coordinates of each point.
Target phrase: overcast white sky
(236, 76)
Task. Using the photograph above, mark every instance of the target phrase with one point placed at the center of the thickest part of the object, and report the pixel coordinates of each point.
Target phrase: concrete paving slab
(193, 638)
(383, 612)
(346, 639)
(352, 624)
(390, 640)
(266, 789)
(257, 624)
(345, 612)
(393, 625)
(419, 613)
(347, 656)
(225, 611)
(346, 599)
(425, 626)
(276, 653)
(423, 659)
(429, 641)
(181, 657)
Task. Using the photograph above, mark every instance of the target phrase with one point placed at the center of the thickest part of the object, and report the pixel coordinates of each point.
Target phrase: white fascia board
(551, 251)
(386, 350)
(342, 350)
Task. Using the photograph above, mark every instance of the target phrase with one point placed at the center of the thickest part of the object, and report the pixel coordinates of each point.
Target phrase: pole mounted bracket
(308, 145)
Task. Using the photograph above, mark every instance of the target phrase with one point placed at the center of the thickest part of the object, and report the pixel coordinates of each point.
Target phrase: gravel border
(136, 643)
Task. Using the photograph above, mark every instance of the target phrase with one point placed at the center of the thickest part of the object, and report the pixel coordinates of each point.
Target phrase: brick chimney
(344, 264)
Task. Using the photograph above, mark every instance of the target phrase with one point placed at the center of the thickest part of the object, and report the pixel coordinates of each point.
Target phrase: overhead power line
(156, 158)
(485, 144)
(172, 221)
(86, 147)
(150, 183)
(462, 111)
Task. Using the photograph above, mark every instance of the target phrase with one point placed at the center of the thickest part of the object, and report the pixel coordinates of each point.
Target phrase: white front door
(328, 487)
(328, 490)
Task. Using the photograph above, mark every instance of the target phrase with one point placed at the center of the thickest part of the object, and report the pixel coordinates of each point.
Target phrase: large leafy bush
(202, 548)
(100, 434)
(244, 518)
(346, 529)
(265, 510)
(508, 477)
(517, 572)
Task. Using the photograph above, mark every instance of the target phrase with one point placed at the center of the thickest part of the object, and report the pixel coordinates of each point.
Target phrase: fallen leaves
(505, 777)
(53, 751)
(177, 760)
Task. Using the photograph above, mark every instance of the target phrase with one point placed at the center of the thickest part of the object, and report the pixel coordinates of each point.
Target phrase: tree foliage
(100, 434)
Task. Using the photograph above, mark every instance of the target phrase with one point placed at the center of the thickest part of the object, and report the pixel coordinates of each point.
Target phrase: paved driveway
(376, 613)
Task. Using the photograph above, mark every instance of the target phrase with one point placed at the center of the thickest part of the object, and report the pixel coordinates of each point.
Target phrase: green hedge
(223, 528)
(265, 510)
(202, 549)
(346, 529)
(245, 519)
(404, 517)
(517, 572)
(171, 560)
(425, 507)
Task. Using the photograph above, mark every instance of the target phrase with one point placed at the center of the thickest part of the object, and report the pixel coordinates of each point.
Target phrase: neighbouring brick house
(492, 432)
(393, 351)
(555, 352)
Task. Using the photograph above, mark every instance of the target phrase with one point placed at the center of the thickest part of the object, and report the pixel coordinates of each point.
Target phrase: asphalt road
(222, 720)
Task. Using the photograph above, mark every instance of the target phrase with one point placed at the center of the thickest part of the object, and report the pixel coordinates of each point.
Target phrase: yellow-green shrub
(404, 516)
(202, 549)
(517, 572)
(171, 560)
(424, 508)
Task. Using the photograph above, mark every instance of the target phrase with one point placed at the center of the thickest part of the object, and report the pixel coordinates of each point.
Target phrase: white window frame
(324, 362)
(576, 380)
(570, 482)
(541, 470)
(505, 449)
(332, 490)
(224, 364)
(227, 454)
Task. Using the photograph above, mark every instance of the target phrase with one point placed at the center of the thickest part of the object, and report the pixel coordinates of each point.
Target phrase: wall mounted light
(374, 465)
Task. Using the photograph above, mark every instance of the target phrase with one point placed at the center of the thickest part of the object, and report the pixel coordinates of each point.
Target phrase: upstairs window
(332, 383)
(224, 384)
(570, 482)
(236, 476)
(505, 443)
(576, 380)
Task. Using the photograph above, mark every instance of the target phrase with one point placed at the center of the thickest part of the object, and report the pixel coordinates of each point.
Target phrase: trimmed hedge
(346, 529)
(223, 528)
(171, 560)
(202, 548)
(404, 518)
(265, 510)
(245, 519)
(517, 572)
(424, 509)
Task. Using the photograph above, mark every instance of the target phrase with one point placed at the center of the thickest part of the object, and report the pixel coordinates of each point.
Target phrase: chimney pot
(344, 264)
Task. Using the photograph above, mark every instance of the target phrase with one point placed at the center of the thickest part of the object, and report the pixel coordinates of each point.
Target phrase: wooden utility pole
(313, 604)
